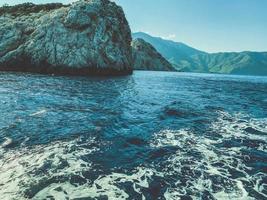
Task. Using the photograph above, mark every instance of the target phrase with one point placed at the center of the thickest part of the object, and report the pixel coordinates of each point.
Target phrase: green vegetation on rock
(27, 8)
(188, 59)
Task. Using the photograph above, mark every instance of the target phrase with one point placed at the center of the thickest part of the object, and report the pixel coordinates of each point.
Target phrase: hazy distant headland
(188, 59)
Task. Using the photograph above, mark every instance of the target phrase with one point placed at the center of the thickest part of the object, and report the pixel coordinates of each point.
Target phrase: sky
(209, 25)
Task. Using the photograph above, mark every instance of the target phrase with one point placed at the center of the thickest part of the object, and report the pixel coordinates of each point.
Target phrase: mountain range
(187, 59)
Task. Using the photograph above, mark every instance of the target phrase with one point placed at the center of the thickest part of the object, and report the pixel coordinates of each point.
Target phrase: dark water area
(152, 135)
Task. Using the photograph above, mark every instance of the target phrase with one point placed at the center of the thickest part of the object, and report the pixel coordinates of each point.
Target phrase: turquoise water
(152, 135)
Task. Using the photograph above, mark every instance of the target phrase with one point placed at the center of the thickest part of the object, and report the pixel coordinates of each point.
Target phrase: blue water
(152, 135)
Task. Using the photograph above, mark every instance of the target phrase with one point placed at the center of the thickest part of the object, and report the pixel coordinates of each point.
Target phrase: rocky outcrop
(146, 57)
(86, 37)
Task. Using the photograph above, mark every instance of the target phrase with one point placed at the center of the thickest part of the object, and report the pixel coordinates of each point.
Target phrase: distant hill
(188, 59)
(173, 51)
(146, 57)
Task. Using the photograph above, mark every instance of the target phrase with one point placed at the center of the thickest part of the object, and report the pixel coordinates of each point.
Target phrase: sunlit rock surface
(87, 37)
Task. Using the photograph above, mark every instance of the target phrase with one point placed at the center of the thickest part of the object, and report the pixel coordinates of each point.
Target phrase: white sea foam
(18, 167)
(197, 166)
(7, 142)
(204, 155)
(103, 186)
(234, 126)
(38, 113)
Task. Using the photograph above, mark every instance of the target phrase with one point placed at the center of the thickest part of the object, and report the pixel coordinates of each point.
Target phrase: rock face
(87, 37)
(146, 57)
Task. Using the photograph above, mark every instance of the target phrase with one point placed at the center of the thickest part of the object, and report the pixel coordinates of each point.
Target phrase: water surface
(153, 135)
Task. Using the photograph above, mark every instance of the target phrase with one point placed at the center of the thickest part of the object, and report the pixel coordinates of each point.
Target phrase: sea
(150, 135)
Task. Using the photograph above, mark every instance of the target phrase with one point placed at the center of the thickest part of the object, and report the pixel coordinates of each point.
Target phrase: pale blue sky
(209, 25)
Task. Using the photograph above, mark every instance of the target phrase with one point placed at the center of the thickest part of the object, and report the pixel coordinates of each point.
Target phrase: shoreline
(62, 71)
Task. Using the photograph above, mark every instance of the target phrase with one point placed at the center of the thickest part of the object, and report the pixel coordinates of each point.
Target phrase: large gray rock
(146, 57)
(87, 37)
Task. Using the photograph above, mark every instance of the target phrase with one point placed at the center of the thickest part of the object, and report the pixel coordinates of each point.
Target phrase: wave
(217, 164)
(25, 171)
(227, 162)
